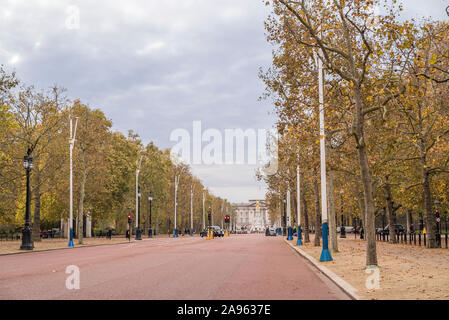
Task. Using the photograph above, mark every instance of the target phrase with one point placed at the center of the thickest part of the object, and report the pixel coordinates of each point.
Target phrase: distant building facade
(252, 216)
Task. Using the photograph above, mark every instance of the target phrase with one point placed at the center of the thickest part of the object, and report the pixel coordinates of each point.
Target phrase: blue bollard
(71, 239)
(299, 242)
(290, 234)
(325, 254)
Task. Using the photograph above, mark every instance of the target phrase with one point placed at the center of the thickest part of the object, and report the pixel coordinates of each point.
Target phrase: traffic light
(129, 218)
(209, 214)
(227, 219)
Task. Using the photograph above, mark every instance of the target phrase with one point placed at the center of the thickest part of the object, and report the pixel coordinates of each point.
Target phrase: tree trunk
(361, 203)
(333, 245)
(430, 219)
(36, 233)
(408, 216)
(390, 213)
(317, 213)
(81, 203)
(365, 175)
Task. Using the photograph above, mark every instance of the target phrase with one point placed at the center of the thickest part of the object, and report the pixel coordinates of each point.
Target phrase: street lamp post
(325, 253)
(289, 222)
(27, 241)
(342, 228)
(204, 210)
(298, 197)
(177, 176)
(191, 209)
(138, 231)
(284, 231)
(150, 230)
(72, 145)
(437, 218)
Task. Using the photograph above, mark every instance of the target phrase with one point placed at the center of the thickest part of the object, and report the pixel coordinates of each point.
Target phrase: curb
(342, 284)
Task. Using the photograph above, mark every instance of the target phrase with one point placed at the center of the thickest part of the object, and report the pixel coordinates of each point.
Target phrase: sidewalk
(7, 247)
(406, 272)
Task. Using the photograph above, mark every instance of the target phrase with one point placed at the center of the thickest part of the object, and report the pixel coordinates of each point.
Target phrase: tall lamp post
(191, 210)
(284, 231)
(27, 241)
(298, 205)
(289, 219)
(204, 210)
(175, 232)
(72, 145)
(325, 253)
(342, 228)
(437, 218)
(150, 230)
(138, 231)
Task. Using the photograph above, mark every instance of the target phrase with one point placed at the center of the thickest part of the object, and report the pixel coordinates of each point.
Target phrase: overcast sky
(156, 66)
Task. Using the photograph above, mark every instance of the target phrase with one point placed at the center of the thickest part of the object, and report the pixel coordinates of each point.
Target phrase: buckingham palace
(252, 216)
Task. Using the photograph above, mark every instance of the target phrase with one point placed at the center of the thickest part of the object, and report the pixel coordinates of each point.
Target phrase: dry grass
(406, 272)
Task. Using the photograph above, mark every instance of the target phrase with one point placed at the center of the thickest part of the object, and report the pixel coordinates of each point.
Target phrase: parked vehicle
(398, 228)
(218, 232)
(348, 229)
(271, 232)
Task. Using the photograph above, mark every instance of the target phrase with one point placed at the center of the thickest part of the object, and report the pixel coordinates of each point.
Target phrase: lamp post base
(27, 241)
(138, 234)
(299, 242)
(150, 233)
(70, 245)
(325, 254)
(290, 234)
(175, 234)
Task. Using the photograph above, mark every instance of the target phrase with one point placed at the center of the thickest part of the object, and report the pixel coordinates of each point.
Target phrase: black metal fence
(10, 236)
(414, 238)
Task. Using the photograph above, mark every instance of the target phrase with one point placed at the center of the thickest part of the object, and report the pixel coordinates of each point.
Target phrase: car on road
(348, 229)
(270, 232)
(218, 232)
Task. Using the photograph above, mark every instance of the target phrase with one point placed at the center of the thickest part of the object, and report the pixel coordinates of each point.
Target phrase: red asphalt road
(251, 267)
